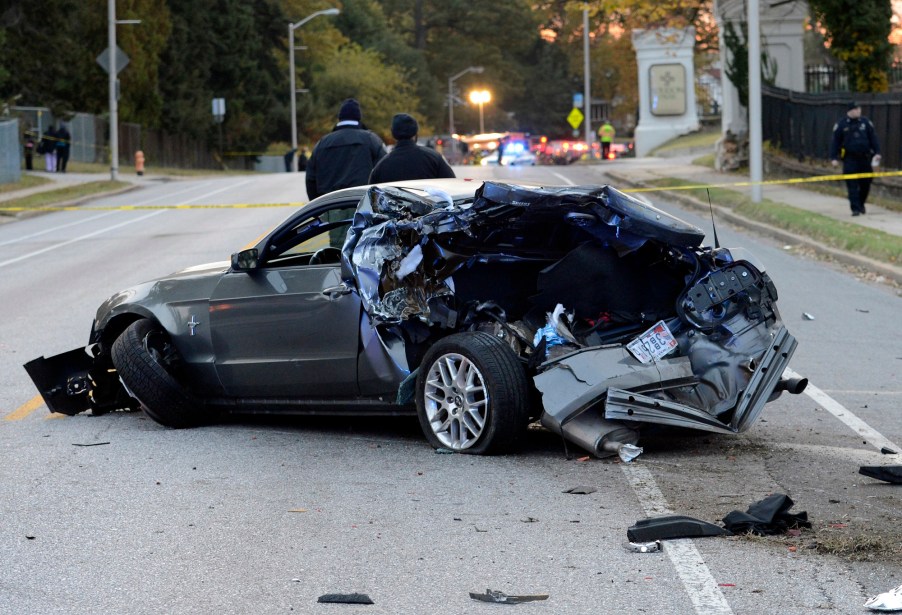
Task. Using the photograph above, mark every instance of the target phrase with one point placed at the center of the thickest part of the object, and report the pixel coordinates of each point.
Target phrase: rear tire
(144, 356)
(472, 395)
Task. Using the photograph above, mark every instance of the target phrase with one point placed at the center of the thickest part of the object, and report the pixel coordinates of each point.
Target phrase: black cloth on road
(766, 517)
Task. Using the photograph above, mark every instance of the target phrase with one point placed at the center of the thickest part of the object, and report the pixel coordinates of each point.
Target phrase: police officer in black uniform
(855, 141)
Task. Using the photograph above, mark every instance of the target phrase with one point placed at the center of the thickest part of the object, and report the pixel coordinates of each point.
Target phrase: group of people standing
(352, 155)
(53, 145)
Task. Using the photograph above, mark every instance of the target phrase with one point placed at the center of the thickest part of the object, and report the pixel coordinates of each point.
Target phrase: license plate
(653, 344)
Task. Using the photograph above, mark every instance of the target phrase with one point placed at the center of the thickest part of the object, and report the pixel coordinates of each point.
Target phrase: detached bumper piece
(630, 406)
(74, 382)
(64, 381)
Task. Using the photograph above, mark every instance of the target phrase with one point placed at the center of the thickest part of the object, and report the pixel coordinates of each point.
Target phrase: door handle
(337, 291)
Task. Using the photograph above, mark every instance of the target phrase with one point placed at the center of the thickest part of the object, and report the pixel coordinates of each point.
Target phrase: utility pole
(756, 135)
(114, 102)
(586, 77)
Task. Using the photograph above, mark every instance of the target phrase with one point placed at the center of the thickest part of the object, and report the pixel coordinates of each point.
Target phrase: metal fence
(825, 78)
(10, 152)
(801, 124)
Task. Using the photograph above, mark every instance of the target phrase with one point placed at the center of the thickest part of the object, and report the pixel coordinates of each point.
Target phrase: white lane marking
(91, 219)
(693, 572)
(115, 226)
(566, 180)
(81, 238)
(871, 435)
(223, 189)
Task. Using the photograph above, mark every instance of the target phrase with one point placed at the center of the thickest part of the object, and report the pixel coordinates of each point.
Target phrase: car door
(289, 328)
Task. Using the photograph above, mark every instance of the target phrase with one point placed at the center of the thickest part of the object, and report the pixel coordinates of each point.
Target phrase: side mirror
(245, 260)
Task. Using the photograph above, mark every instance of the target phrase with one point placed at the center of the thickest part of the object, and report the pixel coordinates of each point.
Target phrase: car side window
(325, 230)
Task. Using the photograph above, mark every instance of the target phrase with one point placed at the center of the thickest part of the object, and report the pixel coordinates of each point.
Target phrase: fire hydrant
(139, 162)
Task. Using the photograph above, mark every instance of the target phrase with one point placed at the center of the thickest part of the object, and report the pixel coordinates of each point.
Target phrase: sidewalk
(640, 172)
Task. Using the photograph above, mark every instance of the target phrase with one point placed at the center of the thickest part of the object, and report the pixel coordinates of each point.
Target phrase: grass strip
(60, 195)
(869, 242)
(27, 181)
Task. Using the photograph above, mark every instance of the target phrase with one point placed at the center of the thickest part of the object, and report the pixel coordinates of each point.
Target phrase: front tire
(472, 395)
(144, 358)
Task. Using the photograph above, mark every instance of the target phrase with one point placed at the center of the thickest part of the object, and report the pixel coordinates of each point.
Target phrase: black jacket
(410, 161)
(343, 158)
(854, 139)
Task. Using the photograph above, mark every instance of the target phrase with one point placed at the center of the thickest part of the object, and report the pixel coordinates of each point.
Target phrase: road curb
(848, 258)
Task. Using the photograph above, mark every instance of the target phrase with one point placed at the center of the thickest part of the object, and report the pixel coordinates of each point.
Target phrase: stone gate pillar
(667, 106)
(782, 30)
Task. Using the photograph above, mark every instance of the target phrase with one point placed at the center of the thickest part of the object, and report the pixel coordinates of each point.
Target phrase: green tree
(359, 73)
(858, 35)
(224, 49)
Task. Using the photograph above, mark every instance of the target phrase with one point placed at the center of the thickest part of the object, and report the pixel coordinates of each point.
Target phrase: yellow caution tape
(773, 182)
(742, 184)
(140, 207)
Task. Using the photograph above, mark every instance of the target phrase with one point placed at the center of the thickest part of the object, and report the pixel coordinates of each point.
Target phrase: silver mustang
(481, 307)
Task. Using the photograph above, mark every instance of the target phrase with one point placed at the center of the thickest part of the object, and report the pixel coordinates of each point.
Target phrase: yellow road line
(25, 409)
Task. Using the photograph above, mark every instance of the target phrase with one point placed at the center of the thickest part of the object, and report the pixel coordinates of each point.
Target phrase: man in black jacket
(855, 141)
(408, 160)
(344, 157)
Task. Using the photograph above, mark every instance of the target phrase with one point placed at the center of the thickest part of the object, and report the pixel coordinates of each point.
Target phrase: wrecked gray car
(479, 307)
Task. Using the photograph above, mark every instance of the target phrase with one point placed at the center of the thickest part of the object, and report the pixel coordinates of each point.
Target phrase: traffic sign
(575, 118)
(121, 59)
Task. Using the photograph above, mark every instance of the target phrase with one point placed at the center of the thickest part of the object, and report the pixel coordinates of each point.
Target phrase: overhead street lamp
(451, 80)
(480, 97)
(294, 113)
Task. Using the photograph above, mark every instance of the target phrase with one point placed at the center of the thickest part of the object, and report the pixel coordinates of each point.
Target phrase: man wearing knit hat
(344, 157)
(408, 160)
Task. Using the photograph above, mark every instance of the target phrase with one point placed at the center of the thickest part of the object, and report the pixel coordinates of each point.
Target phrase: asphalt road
(115, 514)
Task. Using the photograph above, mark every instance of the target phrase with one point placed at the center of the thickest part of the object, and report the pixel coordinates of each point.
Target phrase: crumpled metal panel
(398, 246)
(632, 406)
(572, 383)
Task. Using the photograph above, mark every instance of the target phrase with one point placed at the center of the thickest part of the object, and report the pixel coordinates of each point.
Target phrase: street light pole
(451, 80)
(114, 95)
(294, 113)
(480, 97)
(114, 103)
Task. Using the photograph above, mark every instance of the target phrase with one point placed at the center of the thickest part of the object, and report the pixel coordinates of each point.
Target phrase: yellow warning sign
(575, 118)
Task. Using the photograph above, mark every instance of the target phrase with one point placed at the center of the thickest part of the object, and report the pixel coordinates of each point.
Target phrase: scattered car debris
(807, 316)
(888, 451)
(672, 526)
(645, 547)
(90, 444)
(581, 490)
(887, 601)
(890, 474)
(345, 599)
(766, 517)
(500, 597)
